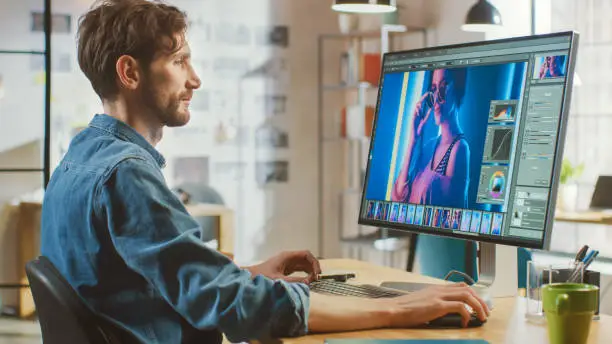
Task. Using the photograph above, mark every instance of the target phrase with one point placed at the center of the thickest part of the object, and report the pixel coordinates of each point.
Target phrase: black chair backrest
(63, 315)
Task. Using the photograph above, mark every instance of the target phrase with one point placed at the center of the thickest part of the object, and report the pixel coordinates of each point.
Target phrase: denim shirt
(126, 244)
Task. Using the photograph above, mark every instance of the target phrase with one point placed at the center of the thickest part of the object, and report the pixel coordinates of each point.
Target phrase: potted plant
(568, 189)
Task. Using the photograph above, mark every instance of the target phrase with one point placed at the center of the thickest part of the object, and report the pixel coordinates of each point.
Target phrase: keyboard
(358, 290)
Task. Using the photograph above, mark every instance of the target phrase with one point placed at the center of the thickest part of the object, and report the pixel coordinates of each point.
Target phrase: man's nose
(194, 82)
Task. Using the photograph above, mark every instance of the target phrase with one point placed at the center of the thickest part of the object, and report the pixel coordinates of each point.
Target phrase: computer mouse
(454, 320)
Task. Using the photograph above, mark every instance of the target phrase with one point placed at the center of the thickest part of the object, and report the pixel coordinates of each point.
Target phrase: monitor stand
(497, 273)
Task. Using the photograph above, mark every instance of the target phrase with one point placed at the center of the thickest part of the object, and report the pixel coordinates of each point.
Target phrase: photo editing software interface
(465, 139)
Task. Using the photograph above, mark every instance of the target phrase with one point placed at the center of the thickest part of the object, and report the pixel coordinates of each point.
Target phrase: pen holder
(588, 277)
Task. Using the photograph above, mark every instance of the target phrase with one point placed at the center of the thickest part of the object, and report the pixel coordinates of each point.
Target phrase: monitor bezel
(543, 244)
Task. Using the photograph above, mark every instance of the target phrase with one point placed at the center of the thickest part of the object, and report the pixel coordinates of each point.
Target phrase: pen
(590, 259)
(580, 258)
(586, 261)
(337, 277)
(581, 253)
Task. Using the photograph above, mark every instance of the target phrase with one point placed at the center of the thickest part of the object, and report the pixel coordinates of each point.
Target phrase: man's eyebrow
(182, 54)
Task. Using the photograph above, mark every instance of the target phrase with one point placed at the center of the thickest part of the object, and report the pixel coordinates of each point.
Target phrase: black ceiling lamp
(482, 17)
(365, 6)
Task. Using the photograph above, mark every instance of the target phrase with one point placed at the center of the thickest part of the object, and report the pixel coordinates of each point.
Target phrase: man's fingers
(465, 296)
(304, 261)
(316, 267)
(312, 277)
(458, 307)
(295, 279)
(480, 300)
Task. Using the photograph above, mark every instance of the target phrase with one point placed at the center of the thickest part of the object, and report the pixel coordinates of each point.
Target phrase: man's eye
(179, 61)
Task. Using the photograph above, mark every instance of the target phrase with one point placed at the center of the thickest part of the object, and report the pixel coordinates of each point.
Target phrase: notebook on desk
(405, 341)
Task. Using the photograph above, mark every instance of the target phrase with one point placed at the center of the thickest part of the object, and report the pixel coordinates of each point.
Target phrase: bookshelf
(342, 150)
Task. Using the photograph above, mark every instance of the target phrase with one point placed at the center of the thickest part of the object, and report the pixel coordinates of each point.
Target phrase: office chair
(63, 315)
(437, 256)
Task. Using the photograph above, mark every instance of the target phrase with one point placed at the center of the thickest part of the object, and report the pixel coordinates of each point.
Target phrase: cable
(462, 274)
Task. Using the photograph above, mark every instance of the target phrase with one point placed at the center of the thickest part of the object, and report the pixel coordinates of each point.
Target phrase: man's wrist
(252, 270)
(382, 313)
(338, 313)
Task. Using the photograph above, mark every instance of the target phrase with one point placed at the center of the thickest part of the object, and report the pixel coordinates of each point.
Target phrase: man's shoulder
(107, 153)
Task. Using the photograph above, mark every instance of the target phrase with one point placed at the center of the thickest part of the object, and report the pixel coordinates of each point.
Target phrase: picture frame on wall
(272, 172)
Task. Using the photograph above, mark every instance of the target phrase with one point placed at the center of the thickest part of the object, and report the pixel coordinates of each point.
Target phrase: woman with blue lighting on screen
(552, 67)
(436, 172)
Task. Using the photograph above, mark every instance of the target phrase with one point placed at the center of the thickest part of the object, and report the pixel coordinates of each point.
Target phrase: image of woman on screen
(552, 67)
(436, 170)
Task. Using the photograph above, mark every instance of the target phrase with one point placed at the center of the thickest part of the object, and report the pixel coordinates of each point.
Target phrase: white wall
(516, 18)
(450, 16)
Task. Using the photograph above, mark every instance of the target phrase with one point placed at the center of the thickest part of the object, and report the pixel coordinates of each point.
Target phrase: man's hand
(425, 305)
(342, 313)
(285, 263)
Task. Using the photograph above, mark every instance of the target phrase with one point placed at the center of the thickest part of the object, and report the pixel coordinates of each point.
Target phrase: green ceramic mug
(569, 309)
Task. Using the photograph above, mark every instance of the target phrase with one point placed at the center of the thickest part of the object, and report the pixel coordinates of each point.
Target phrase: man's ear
(128, 72)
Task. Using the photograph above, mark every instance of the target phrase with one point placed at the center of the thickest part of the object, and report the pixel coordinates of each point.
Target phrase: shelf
(344, 87)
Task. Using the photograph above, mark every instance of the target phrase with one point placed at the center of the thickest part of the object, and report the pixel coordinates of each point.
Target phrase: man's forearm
(338, 313)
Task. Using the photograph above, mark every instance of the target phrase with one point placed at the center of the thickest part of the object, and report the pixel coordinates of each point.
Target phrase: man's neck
(136, 118)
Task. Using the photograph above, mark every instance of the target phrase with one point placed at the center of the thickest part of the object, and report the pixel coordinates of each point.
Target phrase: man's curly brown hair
(139, 28)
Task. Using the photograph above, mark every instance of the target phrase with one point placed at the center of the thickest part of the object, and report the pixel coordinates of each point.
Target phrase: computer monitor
(467, 140)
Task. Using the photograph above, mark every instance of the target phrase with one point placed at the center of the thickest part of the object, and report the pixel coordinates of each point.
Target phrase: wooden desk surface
(506, 324)
(593, 217)
(207, 209)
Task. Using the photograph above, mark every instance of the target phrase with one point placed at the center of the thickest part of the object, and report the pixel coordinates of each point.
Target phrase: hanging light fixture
(482, 17)
(365, 6)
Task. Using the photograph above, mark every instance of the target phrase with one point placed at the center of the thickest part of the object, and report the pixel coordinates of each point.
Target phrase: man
(124, 241)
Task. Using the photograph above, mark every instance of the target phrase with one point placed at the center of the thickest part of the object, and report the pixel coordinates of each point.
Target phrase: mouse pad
(405, 341)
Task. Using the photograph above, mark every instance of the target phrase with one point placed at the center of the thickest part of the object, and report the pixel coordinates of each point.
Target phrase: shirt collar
(124, 132)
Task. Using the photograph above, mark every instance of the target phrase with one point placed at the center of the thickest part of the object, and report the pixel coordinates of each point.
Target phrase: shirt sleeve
(158, 239)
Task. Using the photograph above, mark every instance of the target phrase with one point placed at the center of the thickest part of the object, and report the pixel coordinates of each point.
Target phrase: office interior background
(278, 134)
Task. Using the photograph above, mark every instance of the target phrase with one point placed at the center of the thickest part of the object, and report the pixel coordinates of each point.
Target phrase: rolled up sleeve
(159, 240)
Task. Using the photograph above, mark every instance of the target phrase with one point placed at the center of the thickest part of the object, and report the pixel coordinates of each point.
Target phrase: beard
(165, 108)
